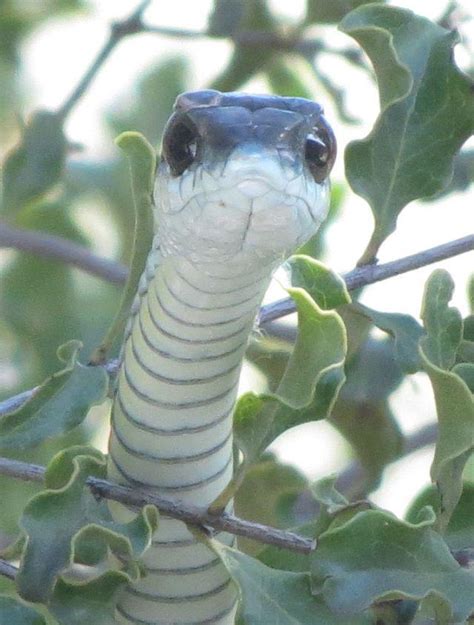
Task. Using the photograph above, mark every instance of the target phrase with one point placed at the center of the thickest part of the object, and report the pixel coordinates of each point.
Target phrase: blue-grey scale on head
(242, 183)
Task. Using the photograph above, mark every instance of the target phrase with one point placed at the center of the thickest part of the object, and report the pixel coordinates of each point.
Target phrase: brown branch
(189, 514)
(369, 274)
(59, 248)
(62, 249)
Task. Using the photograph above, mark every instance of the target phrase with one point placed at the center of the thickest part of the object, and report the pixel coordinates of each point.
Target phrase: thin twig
(368, 274)
(177, 510)
(129, 26)
(249, 38)
(114, 272)
(59, 248)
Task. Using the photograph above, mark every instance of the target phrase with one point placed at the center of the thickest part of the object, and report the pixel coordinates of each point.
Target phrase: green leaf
(67, 515)
(463, 174)
(334, 510)
(60, 404)
(36, 164)
(455, 411)
(443, 324)
(465, 371)
(309, 386)
(272, 596)
(325, 286)
(90, 603)
(459, 533)
(306, 392)
(142, 167)
(325, 492)
(404, 329)
(13, 612)
(263, 490)
(375, 557)
(320, 347)
(330, 12)
(453, 397)
(362, 413)
(427, 112)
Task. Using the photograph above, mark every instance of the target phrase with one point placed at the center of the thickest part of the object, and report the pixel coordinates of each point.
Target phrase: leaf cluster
(368, 566)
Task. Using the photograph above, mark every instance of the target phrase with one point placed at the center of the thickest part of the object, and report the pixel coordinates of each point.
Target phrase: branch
(249, 38)
(119, 30)
(59, 248)
(368, 274)
(189, 514)
(62, 249)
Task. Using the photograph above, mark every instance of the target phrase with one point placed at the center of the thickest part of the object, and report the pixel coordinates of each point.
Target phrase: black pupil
(316, 151)
(181, 148)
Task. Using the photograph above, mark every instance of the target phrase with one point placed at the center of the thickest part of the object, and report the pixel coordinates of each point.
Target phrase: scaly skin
(223, 226)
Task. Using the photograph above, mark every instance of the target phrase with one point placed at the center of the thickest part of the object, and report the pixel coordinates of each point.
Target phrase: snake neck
(172, 427)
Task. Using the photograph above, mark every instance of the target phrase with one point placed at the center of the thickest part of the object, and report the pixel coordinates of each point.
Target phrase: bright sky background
(67, 46)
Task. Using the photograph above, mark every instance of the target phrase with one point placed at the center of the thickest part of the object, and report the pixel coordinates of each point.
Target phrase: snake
(241, 184)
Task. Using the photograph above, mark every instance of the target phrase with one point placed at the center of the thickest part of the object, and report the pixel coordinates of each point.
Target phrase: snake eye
(320, 152)
(180, 145)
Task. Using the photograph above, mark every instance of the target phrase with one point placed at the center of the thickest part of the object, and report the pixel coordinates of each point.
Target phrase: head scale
(242, 176)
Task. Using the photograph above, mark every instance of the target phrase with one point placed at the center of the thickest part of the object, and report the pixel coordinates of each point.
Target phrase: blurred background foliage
(44, 302)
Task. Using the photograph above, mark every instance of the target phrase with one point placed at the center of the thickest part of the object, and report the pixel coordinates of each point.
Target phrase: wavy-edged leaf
(273, 596)
(333, 510)
(60, 404)
(36, 163)
(404, 329)
(443, 324)
(427, 112)
(324, 285)
(142, 161)
(310, 383)
(13, 612)
(465, 371)
(453, 397)
(266, 485)
(455, 444)
(65, 516)
(459, 533)
(91, 603)
(375, 557)
(362, 413)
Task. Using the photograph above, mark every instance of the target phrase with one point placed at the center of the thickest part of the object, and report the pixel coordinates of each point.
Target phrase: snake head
(242, 177)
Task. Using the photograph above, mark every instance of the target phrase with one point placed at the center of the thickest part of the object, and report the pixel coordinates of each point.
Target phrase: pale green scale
(237, 191)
